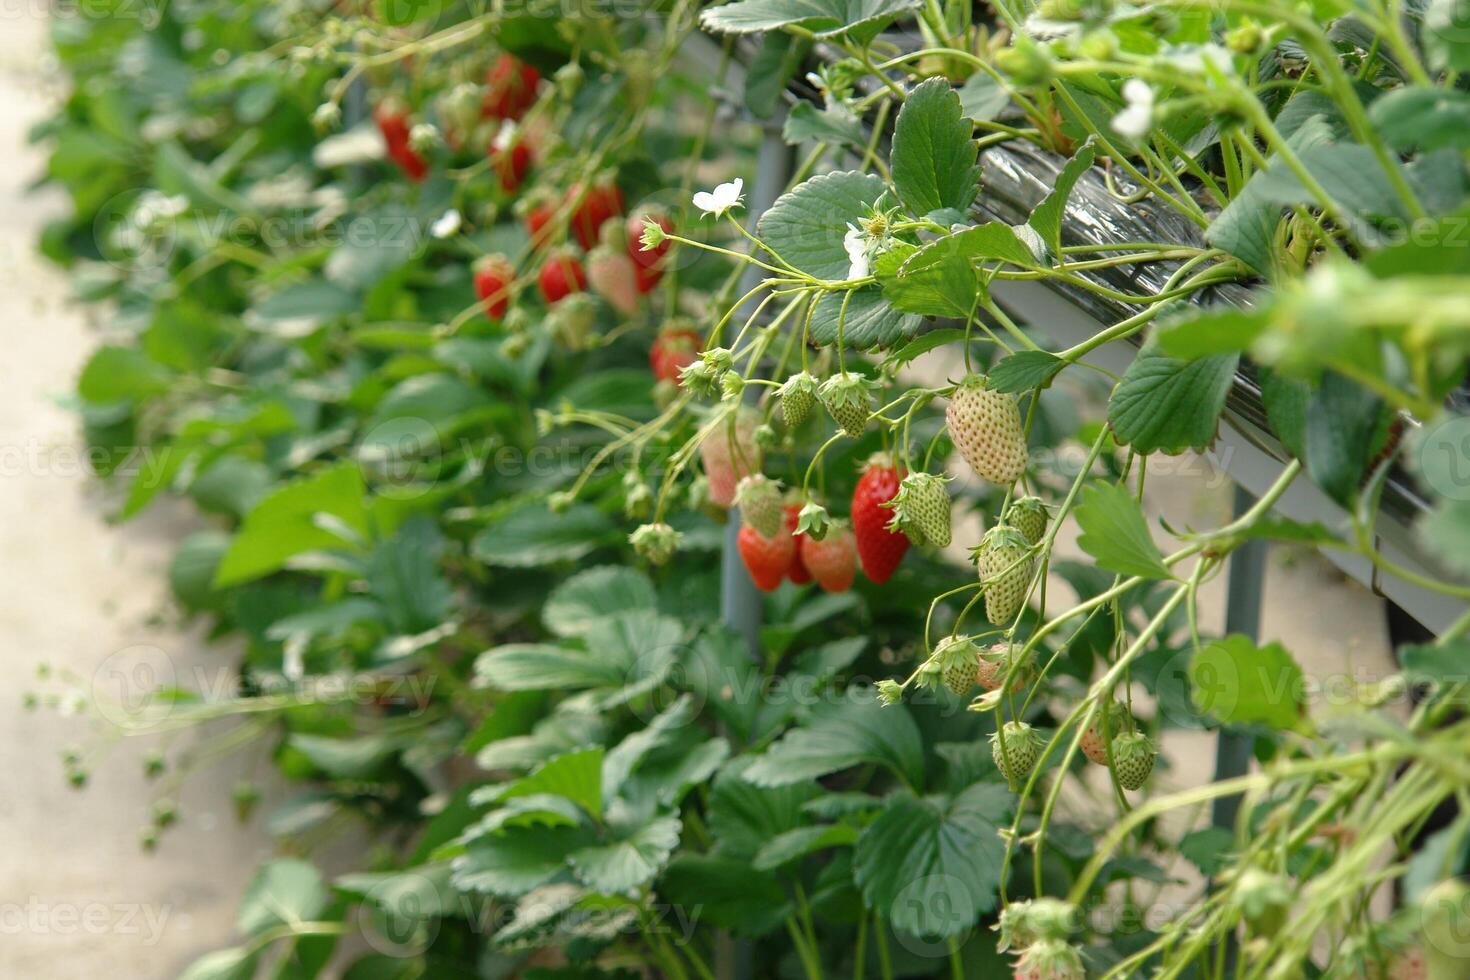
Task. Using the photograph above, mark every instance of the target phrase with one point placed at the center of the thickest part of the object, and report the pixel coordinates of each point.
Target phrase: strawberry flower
(1137, 118)
(447, 225)
(721, 199)
(857, 245)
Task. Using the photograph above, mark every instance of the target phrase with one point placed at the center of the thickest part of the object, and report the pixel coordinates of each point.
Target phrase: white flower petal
(1134, 122)
(721, 199)
(1138, 93)
(448, 224)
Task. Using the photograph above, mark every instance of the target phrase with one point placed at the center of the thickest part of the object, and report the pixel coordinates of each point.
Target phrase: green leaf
(869, 321)
(404, 574)
(541, 667)
(290, 522)
(1445, 531)
(729, 893)
(1164, 404)
(841, 734)
(1342, 417)
(117, 374)
(934, 150)
(1213, 330)
(1423, 118)
(1436, 248)
(744, 816)
(1207, 849)
(1442, 664)
(657, 734)
(630, 862)
(941, 284)
(532, 535)
(836, 125)
(774, 66)
(596, 594)
(1025, 370)
(1046, 218)
(235, 963)
(930, 865)
(992, 241)
(802, 841)
(627, 653)
(982, 98)
(805, 226)
(577, 776)
(512, 863)
(1115, 534)
(1443, 34)
(1239, 683)
(825, 18)
(305, 305)
(345, 758)
(1349, 173)
(284, 892)
(1286, 401)
(191, 573)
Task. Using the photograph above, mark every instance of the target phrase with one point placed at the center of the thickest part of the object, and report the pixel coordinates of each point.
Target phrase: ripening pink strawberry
(985, 426)
(730, 454)
(612, 276)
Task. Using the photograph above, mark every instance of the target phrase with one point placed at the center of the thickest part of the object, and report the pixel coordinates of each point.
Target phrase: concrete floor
(77, 897)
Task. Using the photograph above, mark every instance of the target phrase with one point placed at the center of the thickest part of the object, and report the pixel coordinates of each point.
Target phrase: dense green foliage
(468, 542)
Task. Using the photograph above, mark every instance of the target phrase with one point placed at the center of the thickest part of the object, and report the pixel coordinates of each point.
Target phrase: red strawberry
(832, 560)
(798, 572)
(645, 278)
(538, 217)
(561, 276)
(511, 164)
(766, 559)
(510, 88)
(603, 200)
(879, 548)
(393, 123)
(674, 349)
(654, 256)
(493, 277)
(611, 275)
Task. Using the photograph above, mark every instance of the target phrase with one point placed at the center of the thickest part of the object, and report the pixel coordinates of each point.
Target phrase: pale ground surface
(77, 898)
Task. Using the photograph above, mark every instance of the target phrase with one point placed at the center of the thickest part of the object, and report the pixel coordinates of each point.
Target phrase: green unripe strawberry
(1003, 559)
(1050, 959)
(798, 395)
(1029, 516)
(922, 507)
(985, 426)
(1022, 747)
(1133, 759)
(1445, 914)
(759, 500)
(1262, 898)
(656, 542)
(848, 399)
(957, 657)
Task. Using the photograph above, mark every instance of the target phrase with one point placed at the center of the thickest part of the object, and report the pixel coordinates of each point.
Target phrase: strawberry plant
(472, 427)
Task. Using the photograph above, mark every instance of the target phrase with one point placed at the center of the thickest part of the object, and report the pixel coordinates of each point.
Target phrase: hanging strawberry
(493, 278)
(561, 276)
(879, 549)
(510, 88)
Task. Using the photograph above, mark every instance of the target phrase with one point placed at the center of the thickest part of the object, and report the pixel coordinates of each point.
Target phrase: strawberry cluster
(584, 237)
